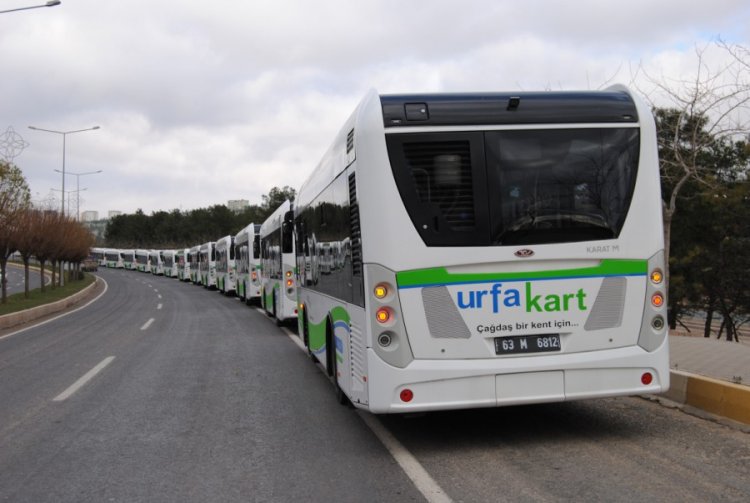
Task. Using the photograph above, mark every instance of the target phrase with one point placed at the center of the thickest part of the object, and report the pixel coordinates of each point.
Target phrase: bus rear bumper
(462, 384)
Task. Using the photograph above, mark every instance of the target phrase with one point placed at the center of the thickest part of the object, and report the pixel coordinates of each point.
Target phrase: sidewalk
(711, 374)
(717, 358)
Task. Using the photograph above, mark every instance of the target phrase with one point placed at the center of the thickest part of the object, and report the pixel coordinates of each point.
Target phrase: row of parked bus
(230, 264)
(465, 250)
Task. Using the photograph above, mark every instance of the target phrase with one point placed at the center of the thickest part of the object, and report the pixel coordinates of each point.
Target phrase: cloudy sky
(199, 102)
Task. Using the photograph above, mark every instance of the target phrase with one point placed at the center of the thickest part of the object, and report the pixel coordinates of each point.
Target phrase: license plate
(541, 343)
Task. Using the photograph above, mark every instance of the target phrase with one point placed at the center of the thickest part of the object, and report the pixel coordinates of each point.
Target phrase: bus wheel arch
(332, 364)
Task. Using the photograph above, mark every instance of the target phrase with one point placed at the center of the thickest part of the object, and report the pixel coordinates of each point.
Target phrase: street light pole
(78, 188)
(64, 135)
(69, 192)
(62, 193)
(51, 3)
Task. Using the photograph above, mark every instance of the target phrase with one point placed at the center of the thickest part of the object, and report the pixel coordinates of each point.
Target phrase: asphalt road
(200, 398)
(16, 279)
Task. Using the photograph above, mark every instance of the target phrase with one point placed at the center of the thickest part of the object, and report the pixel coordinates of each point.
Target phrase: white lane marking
(83, 380)
(294, 338)
(430, 489)
(156, 290)
(106, 287)
(158, 306)
(159, 296)
(147, 324)
(422, 480)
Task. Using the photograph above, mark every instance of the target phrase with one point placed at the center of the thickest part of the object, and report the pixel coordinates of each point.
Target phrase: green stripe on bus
(316, 332)
(440, 276)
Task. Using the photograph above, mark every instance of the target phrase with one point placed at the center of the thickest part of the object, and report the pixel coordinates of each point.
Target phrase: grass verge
(17, 302)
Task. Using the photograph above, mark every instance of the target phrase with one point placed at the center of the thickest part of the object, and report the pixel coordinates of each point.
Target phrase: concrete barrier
(718, 397)
(28, 315)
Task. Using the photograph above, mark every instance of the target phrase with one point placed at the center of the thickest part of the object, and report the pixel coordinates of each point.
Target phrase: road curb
(34, 313)
(718, 397)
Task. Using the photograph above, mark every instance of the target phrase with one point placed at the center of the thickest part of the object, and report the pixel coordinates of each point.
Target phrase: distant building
(98, 228)
(238, 205)
(113, 213)
(89, 216)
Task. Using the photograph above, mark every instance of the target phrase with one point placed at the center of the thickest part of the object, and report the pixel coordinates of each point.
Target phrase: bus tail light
(653, 332)
(388, 338)
(383, 315)
(382, 291)
(647, 378)
(657, 299)
(406, 395)
(385, 339)
(657, 276)
(289, 283)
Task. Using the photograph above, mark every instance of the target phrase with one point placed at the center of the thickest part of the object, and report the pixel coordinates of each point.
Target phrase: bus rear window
(516, 187)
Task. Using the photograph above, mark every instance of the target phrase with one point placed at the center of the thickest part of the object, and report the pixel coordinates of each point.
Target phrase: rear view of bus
(512, 251)
(278, 288)
(247, 256)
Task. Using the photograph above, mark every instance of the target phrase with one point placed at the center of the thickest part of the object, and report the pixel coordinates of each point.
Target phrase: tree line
(183, 229)
(46, 235)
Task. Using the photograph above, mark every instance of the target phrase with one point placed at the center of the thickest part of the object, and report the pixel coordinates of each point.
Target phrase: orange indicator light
(657, 276)
(382, 315)
(657, 300)
(381, 291)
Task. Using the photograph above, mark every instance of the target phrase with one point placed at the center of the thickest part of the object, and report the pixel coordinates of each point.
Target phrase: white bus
(207, 265)
(247, 257)
(113, 258)
(499, 249)
(182, 258)
(142, 261)
(156, 262)
(194, 259)
(170, 263)
(128, 260)
(226, 270)
(100, 255)
(278, 288)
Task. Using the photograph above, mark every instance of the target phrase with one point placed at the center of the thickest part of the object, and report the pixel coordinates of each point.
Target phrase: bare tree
(709, 108)
(24, 238)
(47, 235)
(15, 197)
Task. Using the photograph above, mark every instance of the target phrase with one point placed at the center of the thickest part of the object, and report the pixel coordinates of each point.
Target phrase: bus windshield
(516, 187)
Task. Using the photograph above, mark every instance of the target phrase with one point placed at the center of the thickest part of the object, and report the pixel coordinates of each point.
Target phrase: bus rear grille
(357, 353)
(443, 318)
(608, 306)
